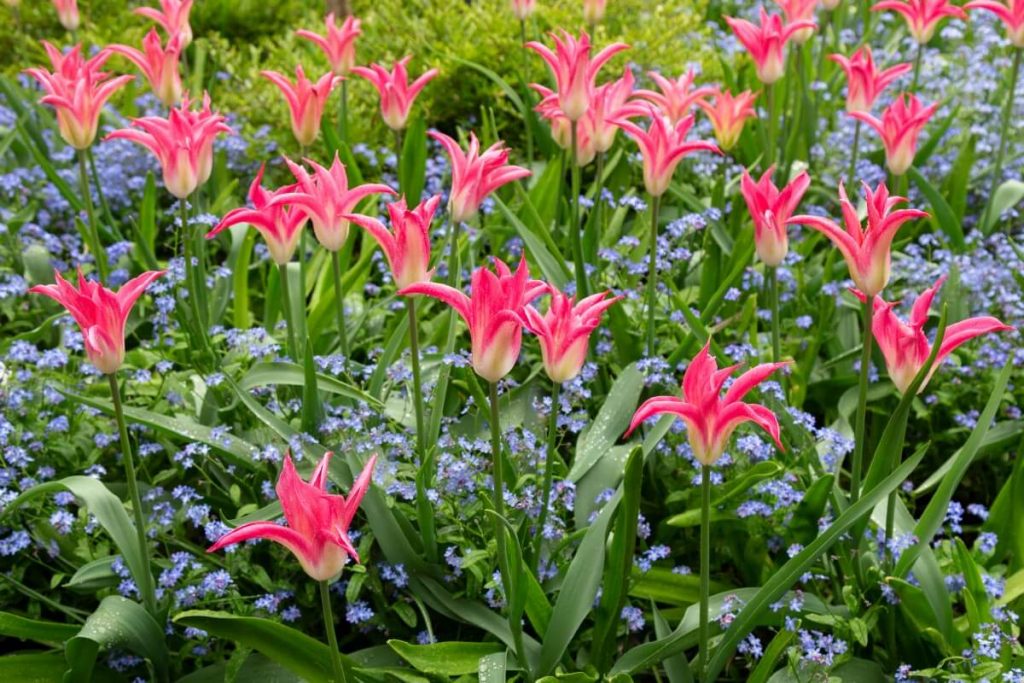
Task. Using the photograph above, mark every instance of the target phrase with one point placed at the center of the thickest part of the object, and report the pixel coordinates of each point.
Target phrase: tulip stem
(917, 67)
(773, 297)
(343, 114)
(286, 312)
(855, 153)
(339, 298)
(146, 580)
(96, 246)
(423, 479)
(705, 568)
(769, 89)
(997, 170)
(574, 228)
(652, 274)
(862, 403)
(549, 472)
(332, 637)
(526, 88)
(192, 281)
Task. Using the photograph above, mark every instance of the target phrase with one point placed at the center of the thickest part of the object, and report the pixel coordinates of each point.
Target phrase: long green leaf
(291, 374)
(24, 628)
(943, 214)
(553, 269)
(117, 622)
(449, 658)
(1007, 195)
(413, 171)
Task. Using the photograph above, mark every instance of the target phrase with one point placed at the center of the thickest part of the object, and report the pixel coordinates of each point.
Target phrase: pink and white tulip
(338, 44)
(676, 97)
(728, 114)
(318, 522)
(608, 103)
(866, 248)
(396, 93)
(100, 313)
(1011, 13)
(766, 42)
(476, 175)
(564, 331)
(900, 126)
(306, 101)
(799, 10)
(561, 126)
(67, 14)
(922, 16)
(407, 244)
(77, 89)
(491, 313)
(710, 417)
(173, 17)
(574, 70)
(864, 82)
(522, 9)
(326, 198)
(158, 64)
(593, 11)
(182, 142)
(906, 347)
(771, 210)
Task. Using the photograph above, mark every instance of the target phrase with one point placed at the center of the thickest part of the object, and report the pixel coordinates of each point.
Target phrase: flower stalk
(95, 246)
(332, 638)
(574, 228)
(652, 273)
(549, 473)
(862, 403)
(339, 298)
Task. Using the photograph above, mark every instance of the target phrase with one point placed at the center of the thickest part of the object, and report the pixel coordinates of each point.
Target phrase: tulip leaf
(42, 668)
(612, 420)
(38, 630)
(412, 172)
(554, 270)
(1007, 195)
(942, 213)
(290, 374)
(117, 622)
(312, 408)
(450, 658)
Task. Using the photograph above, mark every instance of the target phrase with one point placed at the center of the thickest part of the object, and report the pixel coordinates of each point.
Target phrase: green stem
(549, 473)
(652, 274)
(574, 227)
(424, 510)
(917, 67)
(1004, 128)
(526, 109)
(146, 588)
(772, 275)
(94, 231)
(340, 301)
(855, 153)
(343, 113)
(862, 403)
(286, 311)
(332, 637)
(398, 162)
(770, 100)
(598, 202)
(192, 281)
(99, 193)
(705, 568)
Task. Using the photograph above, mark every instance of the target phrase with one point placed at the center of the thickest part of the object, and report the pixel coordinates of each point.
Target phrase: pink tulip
(561, 126)
(830, 5)
(609, 102)
(491, 312)
(574, 70)
(77, 90)
(564, 331)
(407, 245)
(522, 9)
(476, 175)
(728, 114)
(100, 313)
(771, 209)
(339, 45)
(306, 101)
(899, 128)
(173, 18)
(318, 522)
(662, 147)
(158, 64)
(711, 418)
(183, 143)
(905, 346)
(272, 216)
(67, 14)
(922, 16)
(1011, 13)
(677, 97)
(325, 197)
(799, 10)
(593, 11)
(396, 93)
(866, 249)
(864, 81)
(766, 42)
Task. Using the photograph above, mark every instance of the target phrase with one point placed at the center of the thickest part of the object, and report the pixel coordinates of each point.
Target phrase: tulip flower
(561, 126)
(67, 14)
(100, 313)
(799, 10)
(407, 244)
(491, 313)
(77, 89)
(396, 93)
(676, 97)
(339, 43)
(771, 209)
(476, 175)
(182, 142)
(522, 9)
(922, 16)
(173, 18)
(830, 5)
(564, 331)
(574, 69)
(158, 64)
(593, 11)
(899, 128)
(766, 42)
(864, 81)
(1010, 12)
(306, 101)
(609, 102)
(318, 522)
(865, 248)
(904, 344)
(728, 114)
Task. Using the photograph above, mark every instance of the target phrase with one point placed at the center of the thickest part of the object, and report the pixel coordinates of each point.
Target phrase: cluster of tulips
(584, 119)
